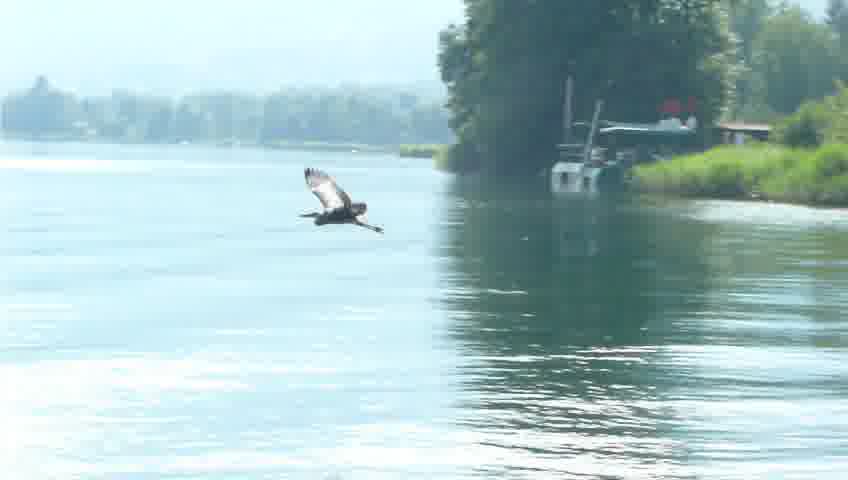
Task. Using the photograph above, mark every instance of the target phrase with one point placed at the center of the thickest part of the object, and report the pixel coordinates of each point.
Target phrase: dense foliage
(749, 60)
(506, 66)
(811, 176)
(340, 115)
(806, 161)
(816, 122)
(785, 56)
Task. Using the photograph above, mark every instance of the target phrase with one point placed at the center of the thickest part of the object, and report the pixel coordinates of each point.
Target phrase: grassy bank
(420, 150)
(809, 176)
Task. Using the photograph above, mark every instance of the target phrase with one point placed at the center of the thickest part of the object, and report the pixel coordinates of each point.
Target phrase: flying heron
(338, 208)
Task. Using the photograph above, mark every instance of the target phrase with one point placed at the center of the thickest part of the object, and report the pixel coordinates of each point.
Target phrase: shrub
(778, 173)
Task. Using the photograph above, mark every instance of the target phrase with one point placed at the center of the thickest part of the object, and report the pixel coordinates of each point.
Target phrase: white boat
(610, 148)
(573, 176)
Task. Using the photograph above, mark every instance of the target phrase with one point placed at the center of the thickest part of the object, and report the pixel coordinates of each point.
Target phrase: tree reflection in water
(557, 309)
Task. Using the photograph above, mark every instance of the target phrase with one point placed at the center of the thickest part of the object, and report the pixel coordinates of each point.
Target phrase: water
(164, 313)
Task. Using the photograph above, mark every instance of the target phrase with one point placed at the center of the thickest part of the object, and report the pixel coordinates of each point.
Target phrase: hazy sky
(815, 6)
(165, 44)
(176, 45)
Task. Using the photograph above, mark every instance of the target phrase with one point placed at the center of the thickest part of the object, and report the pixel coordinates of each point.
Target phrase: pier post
(587, 153)
(566, 111)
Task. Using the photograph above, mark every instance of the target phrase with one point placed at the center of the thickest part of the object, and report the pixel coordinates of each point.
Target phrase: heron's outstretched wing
(326, 189)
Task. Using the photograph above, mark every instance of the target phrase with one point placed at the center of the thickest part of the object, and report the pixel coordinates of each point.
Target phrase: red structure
(674, 107)
(671, 107)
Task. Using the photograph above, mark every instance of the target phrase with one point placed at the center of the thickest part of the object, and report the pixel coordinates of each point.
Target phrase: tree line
(506, 65)
(331, 115)
(785, 56)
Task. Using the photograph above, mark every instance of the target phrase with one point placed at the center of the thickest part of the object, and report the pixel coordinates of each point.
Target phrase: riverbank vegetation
(806, 162)
(740, 60)
(420, 150)
(768, 172)
(505, 68)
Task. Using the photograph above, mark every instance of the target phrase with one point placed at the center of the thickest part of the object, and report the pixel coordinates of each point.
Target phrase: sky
(815, 6)
(92, 45)
(176, 46)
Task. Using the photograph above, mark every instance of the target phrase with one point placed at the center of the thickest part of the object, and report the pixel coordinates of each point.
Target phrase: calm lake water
(165, 314)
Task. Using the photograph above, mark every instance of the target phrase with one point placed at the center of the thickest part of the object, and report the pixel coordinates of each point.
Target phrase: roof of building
(744, 127)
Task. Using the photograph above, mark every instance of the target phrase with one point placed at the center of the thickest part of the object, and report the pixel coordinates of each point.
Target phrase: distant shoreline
(414, 150)
(281, 145)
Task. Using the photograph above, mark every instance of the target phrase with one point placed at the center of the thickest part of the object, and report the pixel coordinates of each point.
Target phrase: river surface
(164, 314)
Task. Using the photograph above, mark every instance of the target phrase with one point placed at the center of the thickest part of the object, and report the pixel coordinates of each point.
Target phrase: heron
(338, 208)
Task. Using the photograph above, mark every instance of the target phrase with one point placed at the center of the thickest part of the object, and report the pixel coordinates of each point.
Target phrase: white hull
(575, 178)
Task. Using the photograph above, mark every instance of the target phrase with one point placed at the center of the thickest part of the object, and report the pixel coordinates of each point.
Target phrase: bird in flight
(338, 208)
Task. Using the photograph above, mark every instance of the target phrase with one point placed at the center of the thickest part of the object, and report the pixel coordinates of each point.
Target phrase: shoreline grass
(420, 150)
(764, 171)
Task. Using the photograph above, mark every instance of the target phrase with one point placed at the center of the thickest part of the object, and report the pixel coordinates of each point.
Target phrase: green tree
(816, 122)
(747, 19)
(506, 66)
(837, 18)
(797, 60)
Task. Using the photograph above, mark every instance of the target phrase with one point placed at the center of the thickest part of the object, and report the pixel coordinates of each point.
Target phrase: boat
(611, 148)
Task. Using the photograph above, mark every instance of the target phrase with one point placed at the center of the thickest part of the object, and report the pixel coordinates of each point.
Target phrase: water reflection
(556, 307)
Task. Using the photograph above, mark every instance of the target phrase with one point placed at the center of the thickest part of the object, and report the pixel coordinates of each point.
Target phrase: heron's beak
(309, 215)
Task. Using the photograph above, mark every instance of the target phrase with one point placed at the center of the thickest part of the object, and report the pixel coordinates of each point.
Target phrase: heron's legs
(369, 227)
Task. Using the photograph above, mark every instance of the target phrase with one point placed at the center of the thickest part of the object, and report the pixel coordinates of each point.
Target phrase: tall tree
(837, 18)
(798, 60)
(506, 66)
(747, 19)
